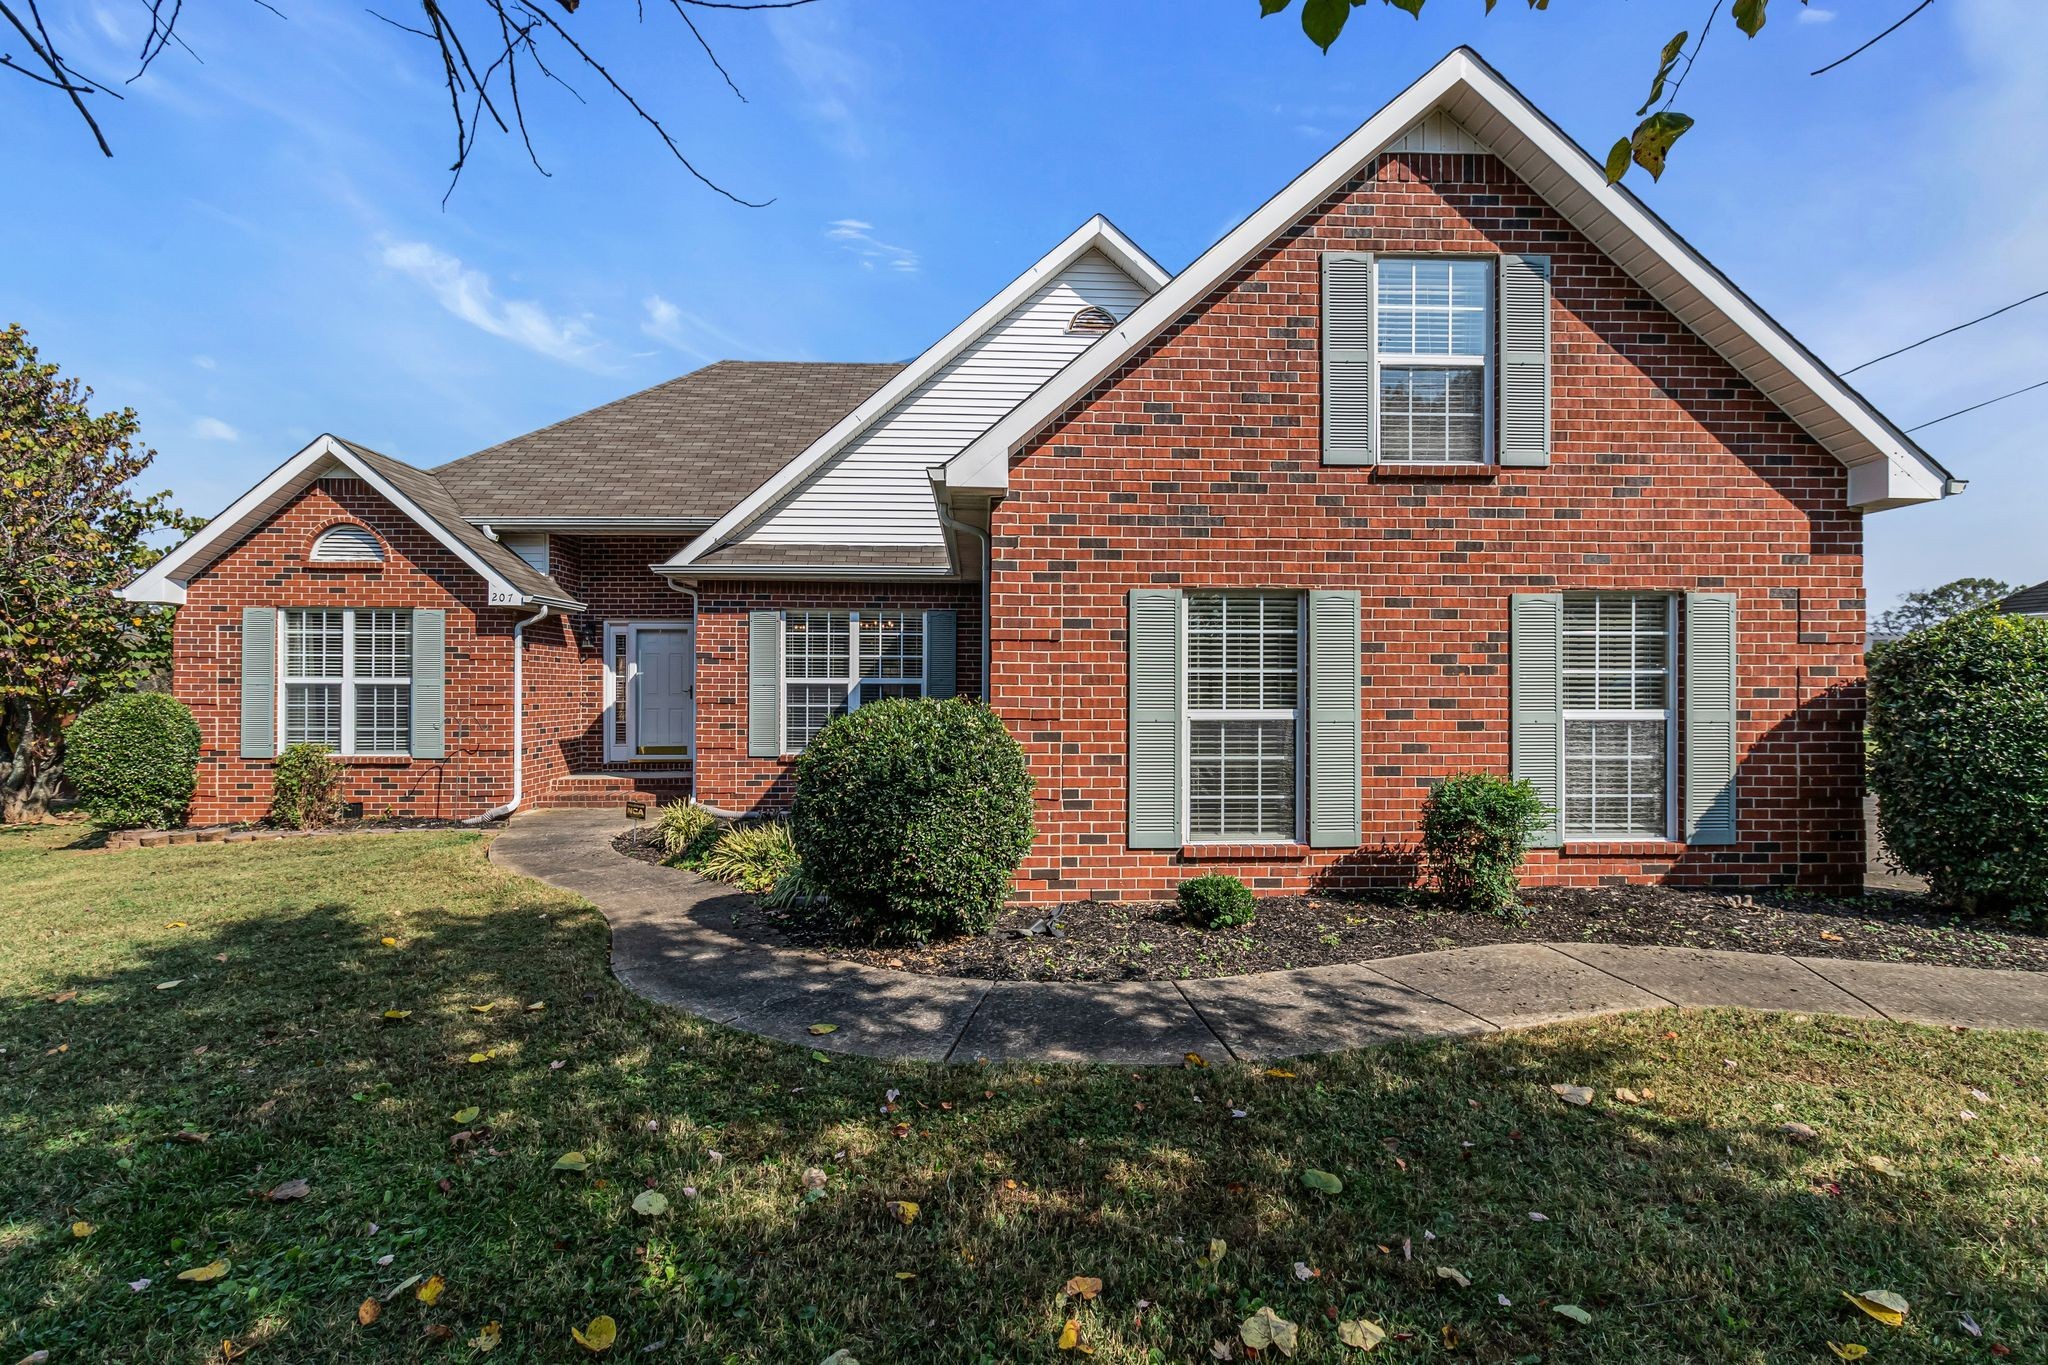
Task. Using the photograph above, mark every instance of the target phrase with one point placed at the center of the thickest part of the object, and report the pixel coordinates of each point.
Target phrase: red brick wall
(1198, 465)
(268, 568)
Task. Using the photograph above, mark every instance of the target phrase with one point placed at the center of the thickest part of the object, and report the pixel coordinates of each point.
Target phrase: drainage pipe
(951, 523)
(518, 721)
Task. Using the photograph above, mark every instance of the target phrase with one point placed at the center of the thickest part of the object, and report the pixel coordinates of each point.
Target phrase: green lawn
(1687, 1225)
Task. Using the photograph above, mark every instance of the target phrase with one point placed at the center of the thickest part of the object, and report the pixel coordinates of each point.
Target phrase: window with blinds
(835, 661)
(347, 680)
(1243, 716)
(1617, 691)
(1432, 348)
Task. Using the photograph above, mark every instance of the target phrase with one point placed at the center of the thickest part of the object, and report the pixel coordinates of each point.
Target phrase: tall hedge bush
(912, 816)
(1959, 740)
(133, 759)
(1474, 828)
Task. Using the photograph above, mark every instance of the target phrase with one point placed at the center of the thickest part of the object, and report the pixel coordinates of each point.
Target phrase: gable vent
(1090, 321)
(347, 544)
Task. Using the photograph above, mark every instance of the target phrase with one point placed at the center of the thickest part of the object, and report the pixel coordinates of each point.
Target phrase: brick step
(597, 791)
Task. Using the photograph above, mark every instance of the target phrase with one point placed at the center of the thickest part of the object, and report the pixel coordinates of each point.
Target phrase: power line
(1949, 332)
(1874, 41)
(2042, 384)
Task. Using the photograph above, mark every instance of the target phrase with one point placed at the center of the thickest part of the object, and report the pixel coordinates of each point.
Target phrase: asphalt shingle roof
(755, 554)
(692, 447)
(2028, 601)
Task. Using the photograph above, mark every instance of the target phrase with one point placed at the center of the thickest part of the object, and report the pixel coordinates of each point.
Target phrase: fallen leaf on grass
(1572, 1094)
(814, 1180)
(1195, 1059)
(906, 1274)
(1266, 1329)
(1887, 1307)
(1361, 1333)
(290, 1190)
(399, 1288)
(1969, 1324)
(137, 1286)
(842, 1356)
(1880, 1165)
(189, 1138)
(438, 1331)
(1279, 1073)
(1848, 1350)
(465, 1116)
(1574, 1312)
(63, 997)
(1322, 1180)
(396, 1015)
(484, 1008)
(204, 1274)
(1535, 1217)
(1623, 1095)
(597, 1337)
(1082, 1287)
(650, 1203)
(536, 1006)
(368, 1311)
(1832, 937)
(229, 1352)
(1070, 1334)
(175, 924)
(488, 1338)
(1799, 1132)
(170, 985)
(1217, 1246)
(820, 1030)
(388, 941)
(479, 1058)
(1304, 1271)
(903, 1211)
(36, 1358)
(572, 1161)
(1454, 1275)
(430, 1292)
(83, 1229)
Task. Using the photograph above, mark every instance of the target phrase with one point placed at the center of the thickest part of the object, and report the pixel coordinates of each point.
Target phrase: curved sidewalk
(668, 945)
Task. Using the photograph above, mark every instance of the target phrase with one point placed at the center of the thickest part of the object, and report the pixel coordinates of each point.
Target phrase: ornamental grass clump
(754, 856)
(681, 826)
(1474, 828)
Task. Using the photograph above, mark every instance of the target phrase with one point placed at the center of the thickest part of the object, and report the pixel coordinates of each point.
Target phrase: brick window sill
(1243, 853)
(343, 565)
(1623, 848)
(1480, 472)
(379, 760)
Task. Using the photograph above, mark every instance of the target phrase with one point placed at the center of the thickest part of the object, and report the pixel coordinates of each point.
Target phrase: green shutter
(1536, 704)
(941, 653)
(764, 684)
(1336, 796)
(259, 682)
(1524, 361)
(1347, 358)
(1710, 718)
(430, 684)
(1155, 743)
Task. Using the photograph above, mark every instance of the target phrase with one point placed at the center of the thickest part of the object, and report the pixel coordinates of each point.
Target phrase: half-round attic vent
(347, 544)
(1090, 321)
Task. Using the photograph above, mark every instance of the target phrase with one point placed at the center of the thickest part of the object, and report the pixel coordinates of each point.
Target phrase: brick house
(1450, 456)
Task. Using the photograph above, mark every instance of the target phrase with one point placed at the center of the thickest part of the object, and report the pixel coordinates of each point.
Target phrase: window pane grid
(892, 645)
(1430, 333)
(383, 644)
(347, 680)
(812, 706)
(1241, 779)
(1617, 700)
(1244, 690)
(832, 660)
(313, 644)
(383, 718)
(312, 714)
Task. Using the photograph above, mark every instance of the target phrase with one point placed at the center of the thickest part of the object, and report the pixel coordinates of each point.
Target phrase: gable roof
(683, 451)
(1886, 467)
(1097, 234)
(2027, 601)
(508, 579)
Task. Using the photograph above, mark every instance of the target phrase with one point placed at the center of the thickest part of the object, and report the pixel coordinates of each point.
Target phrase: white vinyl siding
(1617, 688)
(876, 491)
(347, 680)
(1243, 717)
(1433, 354)
(835, 661)
(530, 546)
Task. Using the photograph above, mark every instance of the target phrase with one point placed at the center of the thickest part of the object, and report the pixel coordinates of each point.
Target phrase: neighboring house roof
(776, 559)
(1886, 467)
(508, 580)
(684, 450)
(2027, 601)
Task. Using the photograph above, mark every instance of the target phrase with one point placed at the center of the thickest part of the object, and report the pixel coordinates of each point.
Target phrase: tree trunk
(30, 764)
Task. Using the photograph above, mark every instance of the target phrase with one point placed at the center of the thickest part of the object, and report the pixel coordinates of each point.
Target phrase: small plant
(1217, 902)
(752, 856)
(680, 825)
(305, 789)
(1474, 828)
(133, 759)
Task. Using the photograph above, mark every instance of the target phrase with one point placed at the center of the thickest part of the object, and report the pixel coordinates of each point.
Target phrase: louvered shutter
(941, 653)
(1710, 718)
(764, 684)
(430, 684)
(1335, 796)
(259, 682)
(1536, 704)
(1524, 361)
(1155, 737)
(1347, 358)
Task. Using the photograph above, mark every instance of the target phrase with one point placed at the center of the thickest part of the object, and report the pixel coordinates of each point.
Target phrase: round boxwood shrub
(1217, 901)
(1474, 828)
(133, 759)
(1959, 759)
(912, 816)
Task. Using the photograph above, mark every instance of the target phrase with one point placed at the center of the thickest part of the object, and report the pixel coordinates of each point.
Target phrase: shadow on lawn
(1687, 1238)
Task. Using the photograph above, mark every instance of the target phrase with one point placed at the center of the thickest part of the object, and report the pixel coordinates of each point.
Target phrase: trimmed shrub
(753, 856)
(305, 789)
(1959, 759)
(1217, 901)
(913, 815)
(1474, 828)
(679, 825)
(133, 759)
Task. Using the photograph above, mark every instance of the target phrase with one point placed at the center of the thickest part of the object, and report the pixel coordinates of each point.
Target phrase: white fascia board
(1097, 234)
(1902, 473)
(162, 583)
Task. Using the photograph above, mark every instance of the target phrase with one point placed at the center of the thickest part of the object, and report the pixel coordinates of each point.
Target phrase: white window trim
(1669, 715)
(853, 680)
(1484, 362)
(614, 752)
(1298, 713)
(347, 681)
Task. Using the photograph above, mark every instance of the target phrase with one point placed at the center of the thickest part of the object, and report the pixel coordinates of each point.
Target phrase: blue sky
(267, 256)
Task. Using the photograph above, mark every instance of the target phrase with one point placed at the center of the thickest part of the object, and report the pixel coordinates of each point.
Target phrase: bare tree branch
(60, 74)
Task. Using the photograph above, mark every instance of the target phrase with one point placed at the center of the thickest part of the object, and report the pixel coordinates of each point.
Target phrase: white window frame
(853, 679)
(347, 681)
(1669, 715)
(1298, 713)
(1483, 362)
(628, 633)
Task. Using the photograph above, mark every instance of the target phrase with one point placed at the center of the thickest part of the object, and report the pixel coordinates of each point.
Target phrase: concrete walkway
(669, 944)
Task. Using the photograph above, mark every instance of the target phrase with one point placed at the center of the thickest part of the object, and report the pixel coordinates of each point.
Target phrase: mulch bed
(1148, 941)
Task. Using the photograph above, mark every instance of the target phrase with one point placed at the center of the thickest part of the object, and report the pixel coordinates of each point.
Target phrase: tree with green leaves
(1659, 124)
(1919, 610)
(73, 531)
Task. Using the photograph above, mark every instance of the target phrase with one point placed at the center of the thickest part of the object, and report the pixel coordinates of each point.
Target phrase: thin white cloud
(213, 429)
(205, 362)
(834, 81)
(1809, 15)
(691, 333)
(859, 238)
(467, 293)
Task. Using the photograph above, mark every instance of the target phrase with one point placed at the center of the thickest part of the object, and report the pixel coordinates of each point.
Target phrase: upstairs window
(347, 680)
(347, 544)
(1432, 350)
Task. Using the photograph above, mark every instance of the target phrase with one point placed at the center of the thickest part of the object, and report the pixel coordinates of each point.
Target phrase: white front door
(650, 691)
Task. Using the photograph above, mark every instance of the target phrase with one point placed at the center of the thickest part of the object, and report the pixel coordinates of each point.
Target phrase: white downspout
(987, 553)
(696, 756)
(518, 721)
